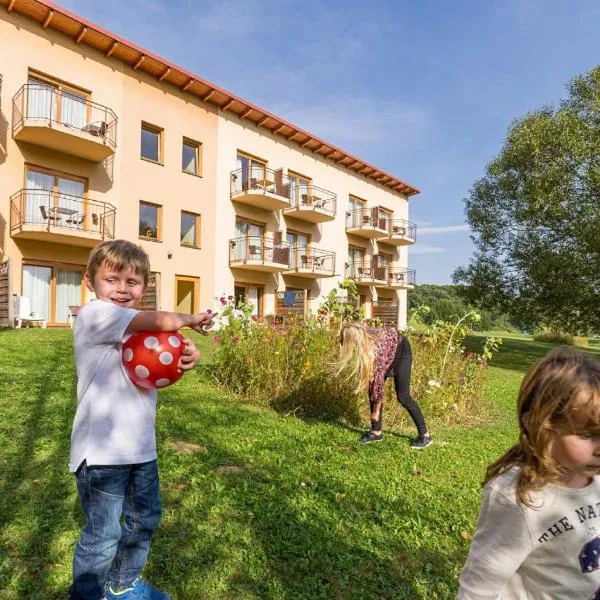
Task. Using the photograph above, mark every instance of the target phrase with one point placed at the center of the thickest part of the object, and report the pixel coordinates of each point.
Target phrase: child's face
(123, 288)
(580, 454)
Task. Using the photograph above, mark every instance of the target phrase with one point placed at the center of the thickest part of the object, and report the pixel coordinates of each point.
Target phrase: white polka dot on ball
(128, 354)
(166, 358)
(174, 341)
(151, 342)
(141, 371)
(162, 382)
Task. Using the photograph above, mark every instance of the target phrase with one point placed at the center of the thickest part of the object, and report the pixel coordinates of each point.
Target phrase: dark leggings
(400, 371)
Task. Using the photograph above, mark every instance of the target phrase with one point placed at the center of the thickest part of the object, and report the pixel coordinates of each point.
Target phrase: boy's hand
(190, 356)
(202, 321)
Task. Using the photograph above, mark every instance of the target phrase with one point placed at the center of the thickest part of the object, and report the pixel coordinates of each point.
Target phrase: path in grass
(256, 505)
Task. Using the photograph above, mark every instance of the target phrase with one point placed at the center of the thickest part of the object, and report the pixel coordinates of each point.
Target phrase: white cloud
(441, 229)
(362, 122)
(426, 249)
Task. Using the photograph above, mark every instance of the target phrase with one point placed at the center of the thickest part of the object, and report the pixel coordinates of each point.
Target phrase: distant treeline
(447, 304)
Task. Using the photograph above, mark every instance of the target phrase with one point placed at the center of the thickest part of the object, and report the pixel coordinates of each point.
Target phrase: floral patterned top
(385, 341)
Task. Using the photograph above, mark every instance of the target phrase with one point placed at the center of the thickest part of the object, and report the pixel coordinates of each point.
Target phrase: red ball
(150, 358)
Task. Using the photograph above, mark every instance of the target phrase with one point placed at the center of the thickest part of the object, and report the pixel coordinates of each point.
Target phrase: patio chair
(23, 314)
(49, 215)
(76, 219)
(73, 310)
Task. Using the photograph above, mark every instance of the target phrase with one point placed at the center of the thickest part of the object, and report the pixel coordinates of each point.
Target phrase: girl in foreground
(538, 531)
(372, 355)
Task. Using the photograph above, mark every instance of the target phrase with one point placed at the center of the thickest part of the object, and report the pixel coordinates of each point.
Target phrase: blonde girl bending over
(538, 534)
(371, 355)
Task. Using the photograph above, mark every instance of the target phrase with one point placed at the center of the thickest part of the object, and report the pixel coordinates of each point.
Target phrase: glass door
(68, 292)
(36, 286)
(39, 197)
(42, 100)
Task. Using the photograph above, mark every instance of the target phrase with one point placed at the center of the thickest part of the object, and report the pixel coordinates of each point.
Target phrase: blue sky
(425, 90)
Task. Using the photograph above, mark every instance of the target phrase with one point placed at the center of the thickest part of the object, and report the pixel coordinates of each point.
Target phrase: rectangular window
(190, 229)
(151, 143)
(150, 217)
(191, 158)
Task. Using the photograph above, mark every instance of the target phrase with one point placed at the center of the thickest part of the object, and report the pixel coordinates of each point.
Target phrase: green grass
(256, 505)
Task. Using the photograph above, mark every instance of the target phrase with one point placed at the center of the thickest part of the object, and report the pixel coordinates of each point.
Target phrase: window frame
(198, 224)
(197, 146)
(158, 237)
(160, 132)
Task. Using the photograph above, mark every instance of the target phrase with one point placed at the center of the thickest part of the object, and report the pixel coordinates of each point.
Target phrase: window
(357, 212)
(52, 198)
(301, 192)
(190, 229)
(150, 217)
(52, 100)
(249, 294)
(51, 289)
(250, 172)
(299, 250)
(151, 143)
(191, 158)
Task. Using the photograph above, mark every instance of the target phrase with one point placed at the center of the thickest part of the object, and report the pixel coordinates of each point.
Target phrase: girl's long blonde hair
(560, 395)
(356, 355)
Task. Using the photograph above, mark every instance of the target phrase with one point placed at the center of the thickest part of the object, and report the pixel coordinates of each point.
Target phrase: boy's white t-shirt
(115, 420)
(522, 553)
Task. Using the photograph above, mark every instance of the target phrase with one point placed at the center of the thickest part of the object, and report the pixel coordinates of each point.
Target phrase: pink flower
(235, 339)
(216, 340)
(208, 311)
(222, 300)
(229, 297)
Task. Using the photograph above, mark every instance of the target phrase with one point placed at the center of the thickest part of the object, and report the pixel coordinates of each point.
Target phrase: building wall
(236, 134)
(125, 179)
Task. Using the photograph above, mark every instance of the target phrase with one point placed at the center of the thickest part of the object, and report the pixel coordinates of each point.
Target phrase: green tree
(535, 217)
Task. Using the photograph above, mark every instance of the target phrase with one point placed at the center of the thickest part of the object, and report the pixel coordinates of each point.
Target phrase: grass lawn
(256, 504)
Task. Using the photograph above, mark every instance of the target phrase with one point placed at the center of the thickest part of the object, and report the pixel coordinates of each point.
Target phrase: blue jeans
(111, 549)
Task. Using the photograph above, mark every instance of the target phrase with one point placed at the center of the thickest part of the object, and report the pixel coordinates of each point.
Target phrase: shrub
(291, 367)
(553, 337)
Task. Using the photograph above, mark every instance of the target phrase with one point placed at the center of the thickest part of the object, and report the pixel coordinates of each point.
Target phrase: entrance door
(36, 286)
(187, 292)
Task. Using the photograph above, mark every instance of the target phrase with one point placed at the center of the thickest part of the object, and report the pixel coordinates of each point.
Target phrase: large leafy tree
(535, 217)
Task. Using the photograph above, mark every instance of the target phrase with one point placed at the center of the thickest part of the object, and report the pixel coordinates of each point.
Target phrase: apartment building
(101, 139)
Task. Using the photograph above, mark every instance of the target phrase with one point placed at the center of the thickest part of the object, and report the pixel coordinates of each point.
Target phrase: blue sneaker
(138, 590)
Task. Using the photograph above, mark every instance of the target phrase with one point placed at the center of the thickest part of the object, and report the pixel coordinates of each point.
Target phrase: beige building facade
(100, 139)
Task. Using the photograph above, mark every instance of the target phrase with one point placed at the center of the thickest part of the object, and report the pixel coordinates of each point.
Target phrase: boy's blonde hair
(560, 395)
(119, 255)
(356, 355)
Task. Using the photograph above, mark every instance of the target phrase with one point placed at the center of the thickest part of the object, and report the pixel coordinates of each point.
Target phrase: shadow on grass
(517, 354)
(37, 392)
(282, 528)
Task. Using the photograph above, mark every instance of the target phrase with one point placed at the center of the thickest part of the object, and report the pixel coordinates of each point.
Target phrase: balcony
(370, 223)
(50, 216)
(311, 263)
(260, 187)
(400, 233)
(367, 273)
(64, 121)
(311, 203)
(257, 253)
(401, 278)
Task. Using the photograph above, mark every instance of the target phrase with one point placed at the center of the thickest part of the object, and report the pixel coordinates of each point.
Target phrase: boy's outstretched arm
(170, 321)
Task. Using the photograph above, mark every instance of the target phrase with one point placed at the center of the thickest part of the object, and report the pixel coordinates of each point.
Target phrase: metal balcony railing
(261, 180)
(379, 219)
(366, 270)
(47, 104)
(61, 213)
(402, 228)
(312, 260)
(402, 276)
(259, 250)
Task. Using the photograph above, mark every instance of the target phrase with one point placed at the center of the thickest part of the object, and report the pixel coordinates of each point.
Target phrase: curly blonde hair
(356, 355)
(560, 395)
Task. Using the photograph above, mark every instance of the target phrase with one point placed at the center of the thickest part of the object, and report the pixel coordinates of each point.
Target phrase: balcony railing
(258, 250)
(366, 271)
(259, 180)
(399, 228)
(44, 104)
(401, 277)
(320, 263)
(56, 212)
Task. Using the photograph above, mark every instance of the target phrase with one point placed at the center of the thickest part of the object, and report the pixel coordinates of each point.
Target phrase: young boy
(113, 445)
